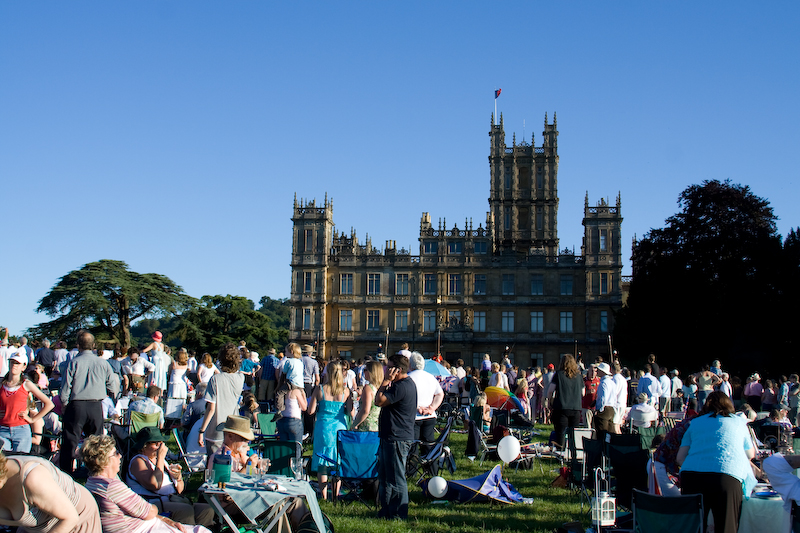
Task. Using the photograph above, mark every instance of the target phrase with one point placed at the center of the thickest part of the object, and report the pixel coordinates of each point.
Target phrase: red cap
(157, 336)
(551, 367)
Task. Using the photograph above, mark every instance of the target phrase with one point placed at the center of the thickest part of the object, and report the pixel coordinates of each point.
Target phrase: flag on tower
(497, 93)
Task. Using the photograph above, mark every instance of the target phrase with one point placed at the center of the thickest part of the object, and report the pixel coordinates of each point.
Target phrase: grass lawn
(550, 509)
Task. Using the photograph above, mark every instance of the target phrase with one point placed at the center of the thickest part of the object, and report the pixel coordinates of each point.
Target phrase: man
(136, 368)
(5, 353)
(642, 415)
(655, 370)
(649, 385)
(677, 383)
(28, 351)
(266, 388)
(310, 380)
(429, 398)
(236, 439)
(147, 406)
(46, 357)
(725, 385)
(85, 382)
(716, 367)
(546, 379)
(666, 390)
(460, 372)
(794, 397)
(604, 405)
(397, 398)
(620, 401)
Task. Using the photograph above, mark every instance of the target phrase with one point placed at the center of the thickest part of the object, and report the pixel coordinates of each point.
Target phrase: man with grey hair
(716, 367)
(23, 347)
(725, 385)
(429, 398)
(46, 357)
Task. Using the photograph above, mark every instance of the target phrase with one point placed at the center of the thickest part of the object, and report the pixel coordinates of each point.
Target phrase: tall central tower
(523, 200)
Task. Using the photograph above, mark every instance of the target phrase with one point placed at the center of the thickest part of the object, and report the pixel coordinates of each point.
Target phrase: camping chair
(195, 461)
(267, 428)
(279, 453)
(666, 514)
(629, 469)
(431, 463)
(357, 465)
(141, 420)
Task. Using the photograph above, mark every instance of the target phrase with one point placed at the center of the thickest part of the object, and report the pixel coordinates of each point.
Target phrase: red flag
(497, 93)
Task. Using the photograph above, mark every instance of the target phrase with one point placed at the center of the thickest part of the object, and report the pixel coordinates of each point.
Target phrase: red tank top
(13, 403)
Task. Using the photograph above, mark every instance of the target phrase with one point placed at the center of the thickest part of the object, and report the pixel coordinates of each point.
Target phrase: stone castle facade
(503, 287)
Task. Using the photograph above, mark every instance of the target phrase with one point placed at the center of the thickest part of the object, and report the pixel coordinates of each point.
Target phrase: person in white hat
(236, 438)
(604, 405)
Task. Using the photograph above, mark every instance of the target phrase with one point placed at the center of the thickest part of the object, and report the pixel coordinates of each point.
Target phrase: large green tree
(216, 320)
(105, 297)
(708, 285)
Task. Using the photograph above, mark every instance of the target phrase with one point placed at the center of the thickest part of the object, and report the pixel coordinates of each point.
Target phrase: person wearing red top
(590, 382)
(15, 422)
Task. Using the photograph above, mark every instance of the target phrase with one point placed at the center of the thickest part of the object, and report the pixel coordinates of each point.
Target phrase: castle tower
(602, 249)
(523, 199)
(312, 237)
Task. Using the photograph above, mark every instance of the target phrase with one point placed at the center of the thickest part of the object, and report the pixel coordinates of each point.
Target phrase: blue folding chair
(357, 466)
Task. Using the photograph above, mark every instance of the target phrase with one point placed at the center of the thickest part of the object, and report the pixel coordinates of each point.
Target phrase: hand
(393, 373)
(162, 450)
(172, 523)
(175, 470)
(200, 440)
(24, 415)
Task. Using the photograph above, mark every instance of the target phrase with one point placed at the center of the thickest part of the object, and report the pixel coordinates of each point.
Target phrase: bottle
(222, 468)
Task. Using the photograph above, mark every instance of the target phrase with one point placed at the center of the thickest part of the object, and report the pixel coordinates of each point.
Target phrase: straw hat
(238, 425)
(157, 336)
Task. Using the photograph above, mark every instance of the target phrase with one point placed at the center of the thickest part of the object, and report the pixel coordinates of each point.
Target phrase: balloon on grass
(437, 487)
(508, 448)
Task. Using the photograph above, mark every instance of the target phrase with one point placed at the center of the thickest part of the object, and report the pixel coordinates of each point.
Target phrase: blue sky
(174, 135)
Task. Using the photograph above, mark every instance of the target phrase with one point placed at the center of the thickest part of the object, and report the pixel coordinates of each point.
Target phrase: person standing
(649, 385)
(222, 398)
(83, 386)
(266, 387)
(310, 380)
(15, 422)
(604, 405)
(160, 360)
(666, 390)
(620, 402)
(429, 398)
(565, 391)
(397, 398)
(46, 357)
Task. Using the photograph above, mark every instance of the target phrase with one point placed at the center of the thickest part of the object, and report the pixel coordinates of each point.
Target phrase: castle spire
(555, 121)
(545, 120)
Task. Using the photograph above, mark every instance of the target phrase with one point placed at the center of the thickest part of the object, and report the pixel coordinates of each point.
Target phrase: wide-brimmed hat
(148, 434)
(381, 356)
(238, 425)
(307, 348)
(157, 336)
(603, 367)
(271, 351)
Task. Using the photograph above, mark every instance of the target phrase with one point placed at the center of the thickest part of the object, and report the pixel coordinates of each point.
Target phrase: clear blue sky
(174, 135)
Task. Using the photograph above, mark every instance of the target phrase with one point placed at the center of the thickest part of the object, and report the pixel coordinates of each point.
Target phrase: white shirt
(621, 393)
(460, 372)
(498, 380)
(427, 388)
(677, 385)
(650, 386)
(666, 386)
(136, 368)
(606, 393)
(5, 353)
(725, 386)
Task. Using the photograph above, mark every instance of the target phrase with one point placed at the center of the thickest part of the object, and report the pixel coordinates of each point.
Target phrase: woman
(715, 458)
(160, 360)
(368, 412)
(15, 421)
(38, 497)
(706, 380)
(690, 388)
(206, 369)
(522, 395)
(769, 398)
(499, 378)
(178, 388)
(566, 391)
(481, 413)
(150, 476)
(335, 403)
(121, 509)
(290, 425)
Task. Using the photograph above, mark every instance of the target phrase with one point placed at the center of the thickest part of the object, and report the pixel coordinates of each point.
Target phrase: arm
(210, 408)
(437, 401)
(551, 390)
(349, 405)
(315, 399)
(39, 485)
(300, 396)
(380, 398)
(150, 346)
(47, 405)
(683, 451)
(364, 407)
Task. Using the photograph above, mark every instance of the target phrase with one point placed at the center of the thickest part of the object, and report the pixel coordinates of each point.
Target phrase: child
(291, 376)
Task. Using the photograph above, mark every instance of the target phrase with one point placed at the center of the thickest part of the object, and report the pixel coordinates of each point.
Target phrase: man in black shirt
(46, 357)
(397, 398)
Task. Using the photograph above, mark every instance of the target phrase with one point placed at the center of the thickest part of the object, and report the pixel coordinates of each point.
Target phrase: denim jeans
(393, 489)
(290, 429)
(19, 437)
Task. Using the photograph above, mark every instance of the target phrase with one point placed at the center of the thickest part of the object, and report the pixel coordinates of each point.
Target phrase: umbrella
(432, 367)
(502, 399)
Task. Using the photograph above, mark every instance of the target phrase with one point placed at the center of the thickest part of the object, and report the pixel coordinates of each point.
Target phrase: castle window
(480, 247)
(479, 320)
(507, 219)
(507, 178)
(480, 284)
(429, 321)
(507, 324)
(508, 284)
(429, 284)
(308, 240)
(454, 283)
(346, 284)
(430, 247)
(603, 283)
(307, 318)
(603, 240)
(537, 322)
(306, 281)
(401, 320)
(565, 321)
(345, 320)
(373, 283)
(373, 320)
(566, 285)
(401, 285)
(537, 284)
(454, 247)
(604, 321)
(539, 219)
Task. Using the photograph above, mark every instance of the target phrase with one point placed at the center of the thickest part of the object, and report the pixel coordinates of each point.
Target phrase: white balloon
(437, 487)
(508, 448)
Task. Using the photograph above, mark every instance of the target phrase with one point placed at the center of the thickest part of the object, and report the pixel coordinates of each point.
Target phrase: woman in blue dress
(160, 359)
(333, 404)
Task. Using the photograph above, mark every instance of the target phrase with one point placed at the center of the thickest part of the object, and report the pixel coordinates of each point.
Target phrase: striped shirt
(121, 509)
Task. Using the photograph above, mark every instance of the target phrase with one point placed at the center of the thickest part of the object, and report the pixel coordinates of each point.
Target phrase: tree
(105, 297)
(708, 285)
(276, 310)
(216, 320)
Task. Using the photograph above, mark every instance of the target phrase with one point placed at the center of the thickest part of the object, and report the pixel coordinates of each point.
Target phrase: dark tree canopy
(710, 285)
(105, 297)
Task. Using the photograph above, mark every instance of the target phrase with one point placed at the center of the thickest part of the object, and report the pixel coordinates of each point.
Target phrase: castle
(503, 287)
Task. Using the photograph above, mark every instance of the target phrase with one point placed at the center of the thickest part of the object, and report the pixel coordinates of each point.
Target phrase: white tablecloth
(764, 515)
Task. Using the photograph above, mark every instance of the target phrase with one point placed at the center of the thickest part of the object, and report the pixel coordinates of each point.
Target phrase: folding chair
(195, 461)
(357, 465)
(431, 463)
(279, 453)
(666, 514)
(629, 469)
(141, 420)
(267, 428)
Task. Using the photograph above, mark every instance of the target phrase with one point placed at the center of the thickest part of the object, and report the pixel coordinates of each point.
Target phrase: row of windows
(455, 247)
(454, 284)
(507, 320)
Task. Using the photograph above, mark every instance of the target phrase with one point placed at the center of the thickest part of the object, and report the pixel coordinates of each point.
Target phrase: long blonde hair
(335, 378)
(375, 370)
